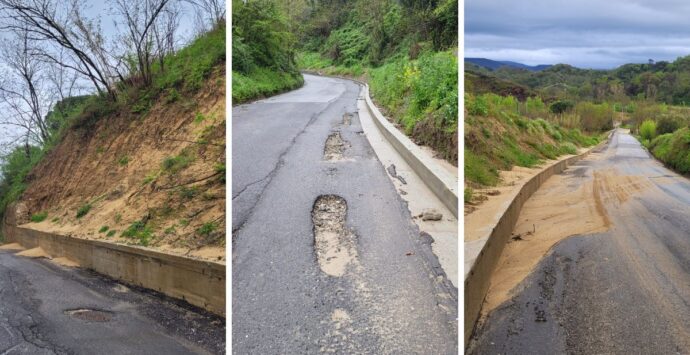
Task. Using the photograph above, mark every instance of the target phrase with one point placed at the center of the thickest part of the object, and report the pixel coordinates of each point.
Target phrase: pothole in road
(90, 315)
(335, 145)
(334, 244)
(347, 119)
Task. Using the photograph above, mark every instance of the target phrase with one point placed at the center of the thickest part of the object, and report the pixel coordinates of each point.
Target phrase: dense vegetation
(182, 73)
(673, 149)
(650, 99)
(501, 132)
(405, 50)
(263, 60)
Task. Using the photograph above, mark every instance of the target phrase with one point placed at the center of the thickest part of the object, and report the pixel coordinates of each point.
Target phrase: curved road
(625, 290)
(390, 298)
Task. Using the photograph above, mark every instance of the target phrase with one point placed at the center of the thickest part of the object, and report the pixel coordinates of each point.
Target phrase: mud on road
(599, 262)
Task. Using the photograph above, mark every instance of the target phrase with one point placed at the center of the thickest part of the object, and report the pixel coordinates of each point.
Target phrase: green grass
(111, 233)
(468, 193)
(421, 94)
(206, 229)
(124, 160)
(188, 68)
(83, 210)
(173, 165)
(673, 149)
(498, 137)
(103, 229)
(39, 217)
(188, 193)
(139, 231)
(262, 82)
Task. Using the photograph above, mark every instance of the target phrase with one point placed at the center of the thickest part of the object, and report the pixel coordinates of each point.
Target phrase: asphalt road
(393, 299)
(623, 291)
(36, 297)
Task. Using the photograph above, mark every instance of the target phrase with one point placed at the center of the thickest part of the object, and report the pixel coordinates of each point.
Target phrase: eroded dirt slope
(154, 179)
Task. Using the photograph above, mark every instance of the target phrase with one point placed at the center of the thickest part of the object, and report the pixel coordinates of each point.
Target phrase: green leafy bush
(648, 130)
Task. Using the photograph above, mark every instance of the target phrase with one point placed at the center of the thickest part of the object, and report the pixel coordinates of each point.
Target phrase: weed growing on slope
(83, 210)
(103, 229)
(140, 231)
(39, 217)
(173, 165)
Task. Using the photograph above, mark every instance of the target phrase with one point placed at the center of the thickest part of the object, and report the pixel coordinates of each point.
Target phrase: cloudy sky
(583, 33)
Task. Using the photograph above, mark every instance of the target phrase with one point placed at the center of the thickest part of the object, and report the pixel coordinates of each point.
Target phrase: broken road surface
(621, 284)
(326, 256)
(50, 309)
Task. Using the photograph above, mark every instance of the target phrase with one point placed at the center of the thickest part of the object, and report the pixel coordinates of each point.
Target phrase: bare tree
(212, 11)
(65, 28)
(139, 19)
(164, 30)
(24, 100)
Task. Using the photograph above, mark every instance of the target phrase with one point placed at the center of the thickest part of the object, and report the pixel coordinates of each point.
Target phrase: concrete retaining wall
(477, 280)
(440, 182)
(198, 282)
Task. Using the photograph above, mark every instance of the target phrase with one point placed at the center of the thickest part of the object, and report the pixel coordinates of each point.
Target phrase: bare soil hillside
(155, 179)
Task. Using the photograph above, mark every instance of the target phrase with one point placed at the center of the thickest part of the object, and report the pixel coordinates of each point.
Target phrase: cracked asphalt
(623, 291)
(36, 293)
(394, 298)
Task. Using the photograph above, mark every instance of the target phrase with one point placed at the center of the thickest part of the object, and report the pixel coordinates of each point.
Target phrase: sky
(584, 33)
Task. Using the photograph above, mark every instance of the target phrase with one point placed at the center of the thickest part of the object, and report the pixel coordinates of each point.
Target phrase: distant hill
(493, 64)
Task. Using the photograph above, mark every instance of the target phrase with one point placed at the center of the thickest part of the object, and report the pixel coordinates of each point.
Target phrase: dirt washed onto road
(554, 212)
(620, 284)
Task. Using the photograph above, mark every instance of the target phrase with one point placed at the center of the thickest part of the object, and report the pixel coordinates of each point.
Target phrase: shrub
(648, 129)
(561, 106)
(468, 194)
(666, 125)
(111, 233)
(476, 105)
(173, 165)
(140, 231)
(206, 229)
(39, 217)
(595, 117)
(83, 210)
(103, 229)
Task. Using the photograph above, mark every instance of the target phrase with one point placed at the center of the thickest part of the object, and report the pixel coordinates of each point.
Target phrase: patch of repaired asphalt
(334, 244)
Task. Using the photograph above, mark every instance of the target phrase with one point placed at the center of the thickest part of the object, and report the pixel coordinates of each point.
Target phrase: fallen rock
(431, 214)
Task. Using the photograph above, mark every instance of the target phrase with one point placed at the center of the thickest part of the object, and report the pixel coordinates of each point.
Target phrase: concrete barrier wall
(444, 187)
(198, 282)
(477, 280)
